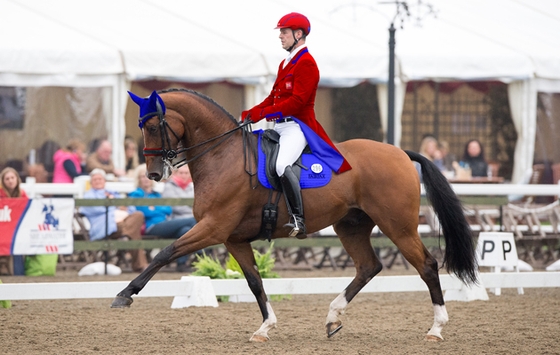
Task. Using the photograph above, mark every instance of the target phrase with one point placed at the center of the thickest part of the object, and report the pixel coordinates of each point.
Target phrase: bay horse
(382, 188)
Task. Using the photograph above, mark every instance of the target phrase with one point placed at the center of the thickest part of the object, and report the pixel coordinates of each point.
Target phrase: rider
(293, 96)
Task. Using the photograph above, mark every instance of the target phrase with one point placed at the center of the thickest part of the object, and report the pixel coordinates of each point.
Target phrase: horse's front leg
(124, 298)
(243, 253)
(192, 241)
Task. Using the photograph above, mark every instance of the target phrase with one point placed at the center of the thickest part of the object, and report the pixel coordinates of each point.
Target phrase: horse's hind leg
(415, 252)
(243, 253)
(354, 232)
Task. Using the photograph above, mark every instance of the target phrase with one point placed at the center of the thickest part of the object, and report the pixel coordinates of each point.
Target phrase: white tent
(514, 41)
(109, 43)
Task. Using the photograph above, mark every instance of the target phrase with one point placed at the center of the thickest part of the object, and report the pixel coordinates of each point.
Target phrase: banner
(38, 226)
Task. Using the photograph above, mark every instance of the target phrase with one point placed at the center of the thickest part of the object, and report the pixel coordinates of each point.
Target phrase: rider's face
(287, 38)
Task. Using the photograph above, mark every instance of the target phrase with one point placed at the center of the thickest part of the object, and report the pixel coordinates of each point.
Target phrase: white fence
(79, 186)
(335, 285)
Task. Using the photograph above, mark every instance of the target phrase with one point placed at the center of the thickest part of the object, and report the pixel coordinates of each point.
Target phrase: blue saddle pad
(318, 173)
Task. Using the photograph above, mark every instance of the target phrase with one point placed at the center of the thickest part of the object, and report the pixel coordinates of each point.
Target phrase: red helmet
(295, 21)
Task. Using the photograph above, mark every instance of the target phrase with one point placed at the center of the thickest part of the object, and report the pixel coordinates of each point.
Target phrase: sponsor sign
(37, 226)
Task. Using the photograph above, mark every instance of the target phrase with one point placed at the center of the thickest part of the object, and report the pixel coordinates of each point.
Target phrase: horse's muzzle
(154, 176)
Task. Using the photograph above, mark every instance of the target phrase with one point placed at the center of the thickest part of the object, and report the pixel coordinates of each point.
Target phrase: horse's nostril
(154, 176)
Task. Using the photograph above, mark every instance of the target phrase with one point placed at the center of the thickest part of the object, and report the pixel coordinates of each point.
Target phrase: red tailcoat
(293, 94)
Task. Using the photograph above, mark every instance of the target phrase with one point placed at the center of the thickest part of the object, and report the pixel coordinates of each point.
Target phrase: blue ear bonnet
(149, 107)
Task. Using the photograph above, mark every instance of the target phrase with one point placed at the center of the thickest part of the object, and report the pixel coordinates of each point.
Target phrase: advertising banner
(37, 226)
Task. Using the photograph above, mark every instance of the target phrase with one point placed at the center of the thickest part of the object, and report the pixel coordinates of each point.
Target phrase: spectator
(157, 218)
(10, 187)
(10, 184)
(131, 155)
(180, 186)
(101, 159)
(429, 148)
(473, 158)
(69, 162)
(122, 222)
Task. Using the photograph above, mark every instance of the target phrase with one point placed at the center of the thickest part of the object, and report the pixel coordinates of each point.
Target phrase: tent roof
(33, 43)
(224, 40)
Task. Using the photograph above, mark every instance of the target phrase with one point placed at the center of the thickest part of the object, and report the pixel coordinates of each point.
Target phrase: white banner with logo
(37, 226)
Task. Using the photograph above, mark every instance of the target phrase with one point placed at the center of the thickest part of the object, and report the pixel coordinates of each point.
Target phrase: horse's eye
(152, 129)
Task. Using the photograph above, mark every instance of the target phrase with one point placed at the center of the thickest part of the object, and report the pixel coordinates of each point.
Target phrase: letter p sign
(487, 247)
(496, 249)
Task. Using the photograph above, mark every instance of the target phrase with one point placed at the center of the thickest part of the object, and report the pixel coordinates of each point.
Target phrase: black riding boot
(292, 191)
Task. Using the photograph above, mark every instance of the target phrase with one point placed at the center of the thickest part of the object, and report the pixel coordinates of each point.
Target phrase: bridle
(167, 153)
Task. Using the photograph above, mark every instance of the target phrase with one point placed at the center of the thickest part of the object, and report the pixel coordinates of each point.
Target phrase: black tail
(460, 257)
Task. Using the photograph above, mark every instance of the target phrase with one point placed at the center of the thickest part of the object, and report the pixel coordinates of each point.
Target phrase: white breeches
(292, 143)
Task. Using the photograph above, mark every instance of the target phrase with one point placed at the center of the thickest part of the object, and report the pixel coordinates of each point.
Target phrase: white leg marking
(440, 319)
(337, 308)
(268, 324)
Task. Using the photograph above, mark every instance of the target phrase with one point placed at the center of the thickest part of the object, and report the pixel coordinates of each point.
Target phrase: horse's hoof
(433, 338)
(122, 302)
(333, 328)
(259, 338)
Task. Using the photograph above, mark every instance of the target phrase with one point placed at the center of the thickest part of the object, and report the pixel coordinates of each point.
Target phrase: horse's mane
(202, 96)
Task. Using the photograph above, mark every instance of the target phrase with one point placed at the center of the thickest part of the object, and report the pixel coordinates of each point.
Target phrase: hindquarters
(383, 183)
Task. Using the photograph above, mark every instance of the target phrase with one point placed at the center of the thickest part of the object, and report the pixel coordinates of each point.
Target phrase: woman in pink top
(68, 162)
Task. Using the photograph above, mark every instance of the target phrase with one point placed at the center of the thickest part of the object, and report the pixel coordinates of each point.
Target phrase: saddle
(270, 147)
(311, 170)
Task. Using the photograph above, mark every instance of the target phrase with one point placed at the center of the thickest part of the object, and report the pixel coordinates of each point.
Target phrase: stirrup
(298, 228)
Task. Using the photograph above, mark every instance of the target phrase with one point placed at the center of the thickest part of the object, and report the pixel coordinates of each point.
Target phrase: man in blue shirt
(116, 227)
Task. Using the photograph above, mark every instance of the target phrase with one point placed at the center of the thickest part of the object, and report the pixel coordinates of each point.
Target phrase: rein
(168, 154)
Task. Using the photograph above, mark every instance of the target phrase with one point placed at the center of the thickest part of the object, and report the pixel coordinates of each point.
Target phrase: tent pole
(391, 88)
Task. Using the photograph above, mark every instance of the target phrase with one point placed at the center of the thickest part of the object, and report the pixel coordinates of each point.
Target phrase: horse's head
(162, 130)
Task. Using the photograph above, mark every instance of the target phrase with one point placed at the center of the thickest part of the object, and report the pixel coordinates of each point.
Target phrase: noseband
(167, 153)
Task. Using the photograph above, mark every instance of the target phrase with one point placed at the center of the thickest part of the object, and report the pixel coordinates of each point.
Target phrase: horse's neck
(213, 161)
(213, 155)
(232, 163)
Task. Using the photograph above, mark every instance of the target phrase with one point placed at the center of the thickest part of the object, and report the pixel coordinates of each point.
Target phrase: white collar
(292, 54)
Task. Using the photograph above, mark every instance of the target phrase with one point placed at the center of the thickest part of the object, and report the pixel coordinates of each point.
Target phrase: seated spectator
(157, 218)
(101, 159)
(10, 187)
(126, 223)
(131, 155)
(69, 162)
(429, 148)
(10, 184)
(180, 185)
(473, 158)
